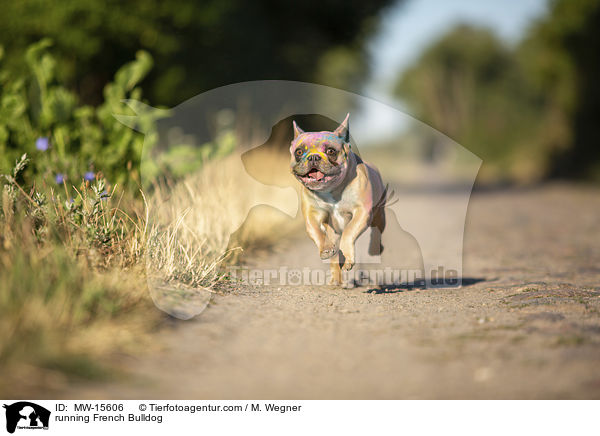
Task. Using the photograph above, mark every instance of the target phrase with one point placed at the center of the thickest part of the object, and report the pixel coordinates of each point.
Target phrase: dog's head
(320, 159)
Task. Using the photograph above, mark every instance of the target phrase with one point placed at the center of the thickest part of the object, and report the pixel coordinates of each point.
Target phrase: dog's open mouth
(315, 176)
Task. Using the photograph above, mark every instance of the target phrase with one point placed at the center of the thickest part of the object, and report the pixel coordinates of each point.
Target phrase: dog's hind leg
(377, 227)
(336, 271)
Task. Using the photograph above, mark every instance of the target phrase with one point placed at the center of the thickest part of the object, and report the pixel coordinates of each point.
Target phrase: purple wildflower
(60, 178)
(89, 176)
(42, 143)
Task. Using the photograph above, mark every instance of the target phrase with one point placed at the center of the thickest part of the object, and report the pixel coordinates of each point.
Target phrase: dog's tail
(388, 198)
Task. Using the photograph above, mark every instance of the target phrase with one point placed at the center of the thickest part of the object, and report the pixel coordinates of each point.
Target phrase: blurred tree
(469, 86)
(197, 45)
(561, 58)
(528, 112)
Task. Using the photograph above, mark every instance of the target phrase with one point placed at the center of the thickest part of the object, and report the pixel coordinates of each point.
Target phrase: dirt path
(530, 328)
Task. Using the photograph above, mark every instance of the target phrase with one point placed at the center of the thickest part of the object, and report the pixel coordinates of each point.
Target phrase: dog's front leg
(357, 225)
(317, 229)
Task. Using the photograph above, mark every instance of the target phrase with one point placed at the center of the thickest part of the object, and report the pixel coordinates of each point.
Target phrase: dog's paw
(347, 257)
(327, 252)
(375, 251)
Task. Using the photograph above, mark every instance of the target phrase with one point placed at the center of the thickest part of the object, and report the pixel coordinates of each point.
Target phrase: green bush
(66, 140)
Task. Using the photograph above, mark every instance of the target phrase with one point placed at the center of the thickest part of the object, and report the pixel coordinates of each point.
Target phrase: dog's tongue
(316, 174)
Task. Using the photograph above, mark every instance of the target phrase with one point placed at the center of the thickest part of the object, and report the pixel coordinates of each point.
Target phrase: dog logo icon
(26, 415)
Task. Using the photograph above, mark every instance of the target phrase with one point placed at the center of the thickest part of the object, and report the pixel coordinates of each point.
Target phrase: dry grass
(196, 225)
(65, 307)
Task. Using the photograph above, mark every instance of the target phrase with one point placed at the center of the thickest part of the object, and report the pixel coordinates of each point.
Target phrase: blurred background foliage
(197, 45)
(529, 111)
(65, 67)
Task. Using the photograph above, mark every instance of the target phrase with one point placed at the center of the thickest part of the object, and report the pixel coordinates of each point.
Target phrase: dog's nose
(314, 158)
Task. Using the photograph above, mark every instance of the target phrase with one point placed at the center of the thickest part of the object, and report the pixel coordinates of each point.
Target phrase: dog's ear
(297, 130)
(343, 131)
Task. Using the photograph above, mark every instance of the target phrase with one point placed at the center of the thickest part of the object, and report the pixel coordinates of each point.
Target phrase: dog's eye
(331, 151)
(298, 152)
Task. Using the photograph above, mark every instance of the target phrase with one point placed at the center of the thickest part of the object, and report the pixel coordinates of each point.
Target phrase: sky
(414, 24)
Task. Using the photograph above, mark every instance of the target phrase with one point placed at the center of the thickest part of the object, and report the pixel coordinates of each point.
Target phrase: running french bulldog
(341, 195)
